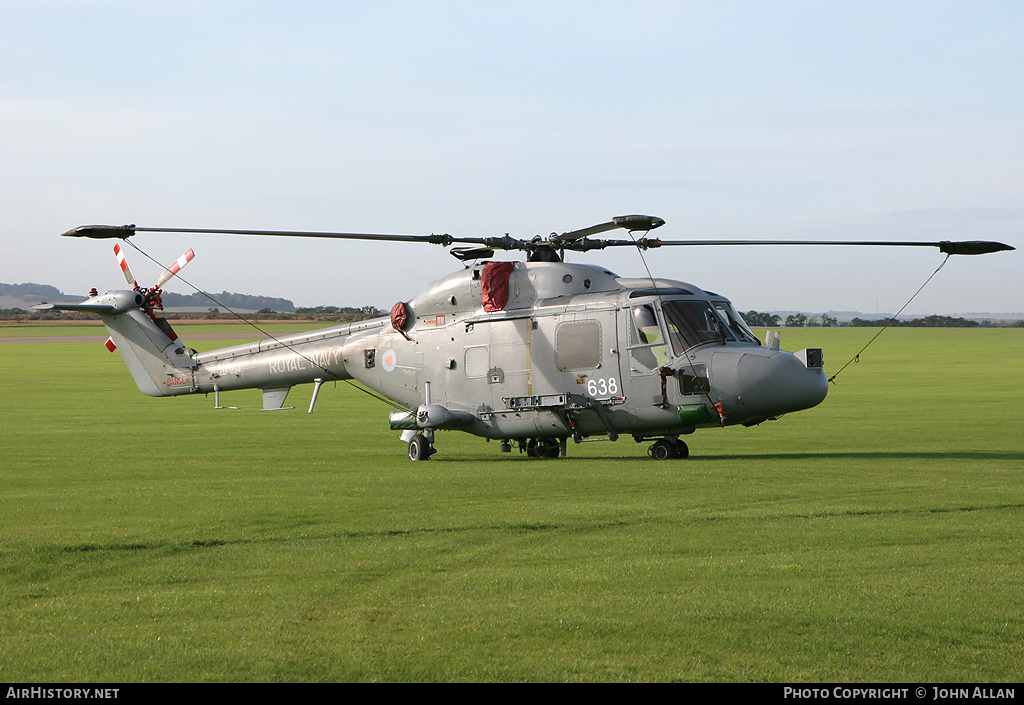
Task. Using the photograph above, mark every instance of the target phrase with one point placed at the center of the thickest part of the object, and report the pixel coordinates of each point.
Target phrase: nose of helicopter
(769, 383)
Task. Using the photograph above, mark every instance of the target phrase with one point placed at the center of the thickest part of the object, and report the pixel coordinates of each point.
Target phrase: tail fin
(160, 365)
(158, 362)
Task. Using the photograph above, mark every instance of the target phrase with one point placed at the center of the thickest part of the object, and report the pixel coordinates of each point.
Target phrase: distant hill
(31, 292)
(24, 296)
(235, 302)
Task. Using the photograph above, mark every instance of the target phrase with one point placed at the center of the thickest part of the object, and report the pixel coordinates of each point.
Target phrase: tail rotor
(152, 300)
(123, 262)
(164, 277)
(169, 273)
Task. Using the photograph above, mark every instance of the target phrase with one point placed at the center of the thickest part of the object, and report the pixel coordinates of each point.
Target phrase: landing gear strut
(668, 448)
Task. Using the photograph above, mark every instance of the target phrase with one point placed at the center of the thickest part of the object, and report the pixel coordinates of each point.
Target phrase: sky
(861, 120)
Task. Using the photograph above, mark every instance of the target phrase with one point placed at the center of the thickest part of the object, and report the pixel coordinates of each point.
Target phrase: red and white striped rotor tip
(121, 260)
(175, 268)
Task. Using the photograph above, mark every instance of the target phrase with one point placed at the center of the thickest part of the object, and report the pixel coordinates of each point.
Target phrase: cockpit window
(646, 342)
(645, 329)
(692, 323)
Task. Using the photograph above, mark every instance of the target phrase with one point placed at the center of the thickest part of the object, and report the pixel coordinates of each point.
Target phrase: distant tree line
(369, 311)
(756, 319)
(926, 322)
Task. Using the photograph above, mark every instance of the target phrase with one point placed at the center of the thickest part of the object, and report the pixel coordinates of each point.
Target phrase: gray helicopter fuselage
(574, 351)
(566, 350)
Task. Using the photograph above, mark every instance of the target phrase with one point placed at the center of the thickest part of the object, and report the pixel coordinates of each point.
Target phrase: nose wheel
(668, 448)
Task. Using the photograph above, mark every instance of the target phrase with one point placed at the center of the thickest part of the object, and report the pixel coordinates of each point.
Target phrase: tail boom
(162, 366)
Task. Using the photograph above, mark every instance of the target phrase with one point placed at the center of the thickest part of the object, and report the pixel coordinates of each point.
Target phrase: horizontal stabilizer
(110, 303)
(86, 307)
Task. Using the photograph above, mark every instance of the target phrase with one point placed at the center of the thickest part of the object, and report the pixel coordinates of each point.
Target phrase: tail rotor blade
(121, 260)
(174, 268)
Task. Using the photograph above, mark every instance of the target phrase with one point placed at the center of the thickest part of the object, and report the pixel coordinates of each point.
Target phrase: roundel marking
(389, 361)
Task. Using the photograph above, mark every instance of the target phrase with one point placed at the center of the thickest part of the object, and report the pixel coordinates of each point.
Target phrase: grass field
(878, 537)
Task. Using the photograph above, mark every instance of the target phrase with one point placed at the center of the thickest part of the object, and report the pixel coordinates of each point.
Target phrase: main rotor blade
(964, 247)
(632, 223)
(124, 231)
(629, 222)
(575, 240)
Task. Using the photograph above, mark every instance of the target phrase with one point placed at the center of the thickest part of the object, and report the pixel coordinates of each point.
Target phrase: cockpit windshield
(695, 322)
(692, 323)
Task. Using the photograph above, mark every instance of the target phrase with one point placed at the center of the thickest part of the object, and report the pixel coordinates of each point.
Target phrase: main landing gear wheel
(420, 448)
(543, 448)
(668, 448)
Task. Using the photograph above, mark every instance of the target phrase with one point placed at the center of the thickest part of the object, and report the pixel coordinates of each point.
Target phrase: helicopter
(531, 352)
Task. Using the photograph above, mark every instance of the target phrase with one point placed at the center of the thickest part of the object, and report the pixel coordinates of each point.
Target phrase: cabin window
(477, 361)
(578, 345)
